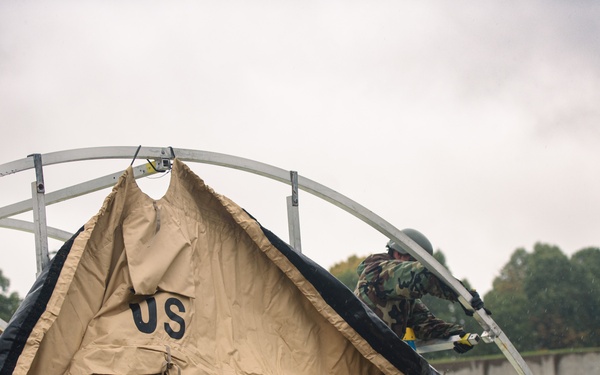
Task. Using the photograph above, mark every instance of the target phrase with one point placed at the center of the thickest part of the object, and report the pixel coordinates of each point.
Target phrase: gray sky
(476, 123)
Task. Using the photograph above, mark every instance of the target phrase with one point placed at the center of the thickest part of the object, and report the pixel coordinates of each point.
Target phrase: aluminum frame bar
(492, 330)
(28, 226)
(75, 190)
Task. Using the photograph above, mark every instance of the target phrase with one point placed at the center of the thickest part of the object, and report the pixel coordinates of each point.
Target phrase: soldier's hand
(477, 302)
(463, 345)
(467, 311)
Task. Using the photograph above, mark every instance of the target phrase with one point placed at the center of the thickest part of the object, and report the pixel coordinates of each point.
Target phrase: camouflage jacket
(393, 288)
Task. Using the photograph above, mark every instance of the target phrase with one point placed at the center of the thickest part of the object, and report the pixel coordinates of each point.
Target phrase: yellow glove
(466, 342)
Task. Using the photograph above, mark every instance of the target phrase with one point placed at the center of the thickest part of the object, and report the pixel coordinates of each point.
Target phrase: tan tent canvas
(192, 284)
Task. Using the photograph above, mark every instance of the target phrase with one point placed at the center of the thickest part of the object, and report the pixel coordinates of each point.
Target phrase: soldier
(392, 283)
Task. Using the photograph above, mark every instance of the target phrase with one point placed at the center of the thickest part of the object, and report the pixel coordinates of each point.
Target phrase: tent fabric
(192, 284)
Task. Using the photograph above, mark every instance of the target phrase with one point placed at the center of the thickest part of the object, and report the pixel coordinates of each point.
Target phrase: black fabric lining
(19, 328)
(355, 313)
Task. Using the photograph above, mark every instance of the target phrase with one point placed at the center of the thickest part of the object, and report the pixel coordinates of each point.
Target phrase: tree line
(8, 301)
(542, 299)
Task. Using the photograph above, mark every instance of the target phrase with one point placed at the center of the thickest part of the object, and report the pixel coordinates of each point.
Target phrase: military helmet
(414, 235)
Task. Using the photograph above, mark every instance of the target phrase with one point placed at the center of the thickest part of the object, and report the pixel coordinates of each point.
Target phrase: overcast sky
(476, 123)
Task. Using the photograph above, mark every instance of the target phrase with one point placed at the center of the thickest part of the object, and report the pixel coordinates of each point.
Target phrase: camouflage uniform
(392, 288)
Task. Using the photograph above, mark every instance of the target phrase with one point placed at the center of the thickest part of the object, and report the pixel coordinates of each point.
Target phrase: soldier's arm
(413, 280)
(427, 326)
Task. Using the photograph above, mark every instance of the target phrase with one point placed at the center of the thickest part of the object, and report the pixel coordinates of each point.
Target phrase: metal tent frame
(161, 161)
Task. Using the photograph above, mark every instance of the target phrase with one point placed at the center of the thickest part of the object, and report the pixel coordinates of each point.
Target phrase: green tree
(549, 285)
(544, 300)
(585, 297)
(8, 302)
(345, 271)
(509, 302)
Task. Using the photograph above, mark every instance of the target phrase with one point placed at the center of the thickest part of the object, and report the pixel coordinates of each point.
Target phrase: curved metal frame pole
(493, 331)
(27, 226)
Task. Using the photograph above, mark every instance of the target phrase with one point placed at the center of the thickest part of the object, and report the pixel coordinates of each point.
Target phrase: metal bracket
(293, 214)
(39, 215)
(294, 180)
(164, 162)
(488, 337)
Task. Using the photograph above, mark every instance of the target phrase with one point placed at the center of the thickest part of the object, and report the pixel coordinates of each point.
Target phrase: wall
(551, 364)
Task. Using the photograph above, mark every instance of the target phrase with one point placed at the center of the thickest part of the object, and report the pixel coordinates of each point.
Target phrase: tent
(192, 284)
